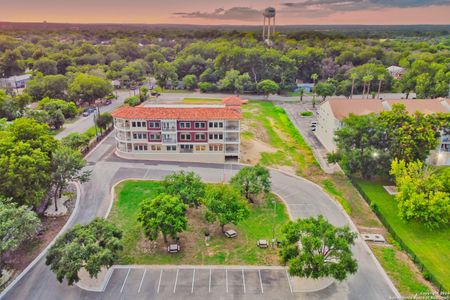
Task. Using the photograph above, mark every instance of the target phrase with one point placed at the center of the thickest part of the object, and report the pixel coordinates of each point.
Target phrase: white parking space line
(159, 282)
(142, 280)
(123, 284)
(260, 282)
(176, 280)
(243, 280)
(209, 289)
(193, 280)
(289, 281)
(226, 279)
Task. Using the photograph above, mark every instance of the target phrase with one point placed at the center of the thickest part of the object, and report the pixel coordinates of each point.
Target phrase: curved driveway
(302, 197)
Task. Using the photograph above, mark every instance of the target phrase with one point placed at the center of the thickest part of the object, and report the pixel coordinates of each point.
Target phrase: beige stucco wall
(326, 125)
(439, 158)
(181, 157)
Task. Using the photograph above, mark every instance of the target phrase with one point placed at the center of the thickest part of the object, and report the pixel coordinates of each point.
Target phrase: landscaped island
(221, 250)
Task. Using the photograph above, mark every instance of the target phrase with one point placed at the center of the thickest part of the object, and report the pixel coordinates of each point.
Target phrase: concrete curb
(43, 252)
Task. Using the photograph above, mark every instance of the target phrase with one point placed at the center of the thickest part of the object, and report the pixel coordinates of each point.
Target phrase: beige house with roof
(332, 112)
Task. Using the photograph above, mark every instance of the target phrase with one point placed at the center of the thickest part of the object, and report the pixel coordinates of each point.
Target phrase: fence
(94, 142)
(425, 272)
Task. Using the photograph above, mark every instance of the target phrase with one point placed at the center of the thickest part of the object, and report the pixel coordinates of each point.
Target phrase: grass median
(241, 250)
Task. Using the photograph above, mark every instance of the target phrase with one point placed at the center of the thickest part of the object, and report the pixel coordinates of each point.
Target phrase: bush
(206, 87)
(306, 113)
(132, 101)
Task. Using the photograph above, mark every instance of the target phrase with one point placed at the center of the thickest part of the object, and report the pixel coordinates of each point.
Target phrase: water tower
(269, 14)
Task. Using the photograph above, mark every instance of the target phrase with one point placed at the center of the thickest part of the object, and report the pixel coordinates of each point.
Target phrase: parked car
(88, 111)
(173, 248)
(230, 233)
(108, 102)
(155, 94)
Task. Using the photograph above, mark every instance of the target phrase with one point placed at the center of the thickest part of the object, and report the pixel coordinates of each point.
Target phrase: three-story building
(201, 133)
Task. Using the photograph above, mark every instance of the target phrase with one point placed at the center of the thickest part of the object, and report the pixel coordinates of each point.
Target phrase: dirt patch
(251, 150)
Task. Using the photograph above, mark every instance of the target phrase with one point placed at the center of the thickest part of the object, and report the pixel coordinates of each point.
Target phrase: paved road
(303, 198)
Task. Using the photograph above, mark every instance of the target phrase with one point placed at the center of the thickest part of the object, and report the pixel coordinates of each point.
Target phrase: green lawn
(241, 250)
(431, 247)
(404, 278)
(201, 101)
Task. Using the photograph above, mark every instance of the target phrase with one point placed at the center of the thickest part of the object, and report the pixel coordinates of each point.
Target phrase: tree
(268, 87)
(187, 186)
(190, 82)
(104, 120)
(92, 247)
(10, 63)
(314, 78)
(165, 73)
(324, 89)
(353, 76)
(25, 151)
(132, 101)
(381, 78)
(225, 204)
(422, 195)
(301, 93)
(165, 214)
(56, 119)
(367, 79)
(88, 88)
(17, 224)
(51, 86)
(75, 140)
(67, 165)
(206, 87)
(68, 109)
(314, 248)
(252, 181)
(143, 94)
(46, 66)
(344, 88)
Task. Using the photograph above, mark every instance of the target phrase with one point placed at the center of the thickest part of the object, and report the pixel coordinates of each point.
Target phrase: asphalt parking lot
(198, 283)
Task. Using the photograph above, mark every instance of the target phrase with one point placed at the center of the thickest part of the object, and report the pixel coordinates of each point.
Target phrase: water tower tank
(269, 12)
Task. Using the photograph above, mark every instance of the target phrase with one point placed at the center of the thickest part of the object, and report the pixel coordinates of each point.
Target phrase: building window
(200, 125)
(216, 136)
(200, 136)
(185, 136)
(215, 124)
(171, 148)
(155, 136)
(137, 124)
(185, 125)
(139, 136)
(156, 147)
(200, 148)
(140, 147)
(153, 124)
(215, 147)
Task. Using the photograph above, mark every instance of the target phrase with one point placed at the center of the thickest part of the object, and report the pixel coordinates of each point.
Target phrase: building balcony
(169, 141)
(123, 137)
(186, 150)
(169, 129)
(232, 140)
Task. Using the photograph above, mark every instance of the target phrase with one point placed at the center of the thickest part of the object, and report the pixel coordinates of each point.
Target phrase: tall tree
(92, 247)
(268, 87)
(67, 165)
(165, 214)
(324, 89)
(46, 66)
(381, 78)
(88, 88)
(252, 181)
(225, 204)
(188, 186)
(314, 248)
(422, 195)
(17, 224)
(353, 77)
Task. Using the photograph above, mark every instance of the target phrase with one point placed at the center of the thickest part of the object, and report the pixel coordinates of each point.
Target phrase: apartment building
(331, 113)
(191, 133)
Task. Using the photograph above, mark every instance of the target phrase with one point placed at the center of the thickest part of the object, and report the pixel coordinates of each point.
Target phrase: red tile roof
(177, 113)
(234, 101)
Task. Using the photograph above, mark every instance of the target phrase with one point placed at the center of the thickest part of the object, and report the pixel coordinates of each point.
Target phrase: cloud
(234, 13)
(316, 8)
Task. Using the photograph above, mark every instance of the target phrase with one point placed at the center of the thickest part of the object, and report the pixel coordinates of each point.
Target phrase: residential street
(302, 197)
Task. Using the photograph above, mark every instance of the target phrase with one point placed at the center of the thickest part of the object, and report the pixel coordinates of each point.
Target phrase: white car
(173, 248)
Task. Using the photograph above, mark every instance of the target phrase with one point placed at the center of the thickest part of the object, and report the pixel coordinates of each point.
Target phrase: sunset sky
(227, 11)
